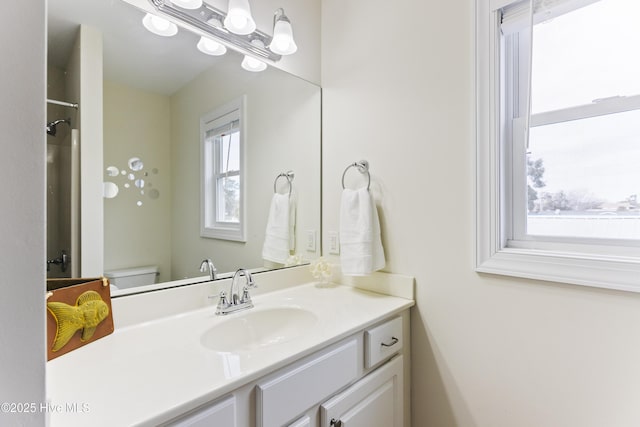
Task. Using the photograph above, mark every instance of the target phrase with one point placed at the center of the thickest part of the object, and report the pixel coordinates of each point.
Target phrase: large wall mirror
(155, 92)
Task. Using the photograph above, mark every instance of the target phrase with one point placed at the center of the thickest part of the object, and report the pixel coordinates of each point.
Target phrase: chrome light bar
(201, 18)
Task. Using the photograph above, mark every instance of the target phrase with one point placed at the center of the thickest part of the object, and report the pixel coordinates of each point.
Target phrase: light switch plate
(311, 240)
(334, 243)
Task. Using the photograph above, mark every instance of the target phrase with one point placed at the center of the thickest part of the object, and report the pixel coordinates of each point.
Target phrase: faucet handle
(223, 303)
(246, 298)
(223, 298)
(250, 282)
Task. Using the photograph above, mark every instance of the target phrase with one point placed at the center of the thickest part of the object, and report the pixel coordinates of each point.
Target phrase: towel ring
(289, 175)
(363, 167)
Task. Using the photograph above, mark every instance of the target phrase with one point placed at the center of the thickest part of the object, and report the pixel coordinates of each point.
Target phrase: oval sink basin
(252, 330)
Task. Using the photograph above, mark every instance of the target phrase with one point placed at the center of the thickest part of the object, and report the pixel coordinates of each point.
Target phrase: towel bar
(363, 167)
(289, 175)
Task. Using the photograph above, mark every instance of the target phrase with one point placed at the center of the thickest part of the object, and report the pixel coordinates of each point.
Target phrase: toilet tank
(131, 277)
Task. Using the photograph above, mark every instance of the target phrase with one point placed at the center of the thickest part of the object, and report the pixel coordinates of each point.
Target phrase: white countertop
(151, 372)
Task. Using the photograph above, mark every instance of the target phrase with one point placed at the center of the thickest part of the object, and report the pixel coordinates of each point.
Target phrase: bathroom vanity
(305, 355)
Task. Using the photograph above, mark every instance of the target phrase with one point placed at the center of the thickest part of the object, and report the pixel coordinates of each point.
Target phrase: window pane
(584, 178)
(228, 199)
(588, 54)
(229, 152)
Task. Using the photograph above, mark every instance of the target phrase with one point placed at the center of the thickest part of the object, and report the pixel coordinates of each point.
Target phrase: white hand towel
(361, 251)
(280, 225)
(293, 202)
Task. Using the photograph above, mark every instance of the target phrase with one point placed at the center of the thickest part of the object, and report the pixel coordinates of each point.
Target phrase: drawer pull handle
(335, 423)
(393, 342)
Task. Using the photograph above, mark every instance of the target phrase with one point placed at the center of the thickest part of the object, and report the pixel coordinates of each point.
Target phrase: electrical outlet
(311, 240)
(334, 243)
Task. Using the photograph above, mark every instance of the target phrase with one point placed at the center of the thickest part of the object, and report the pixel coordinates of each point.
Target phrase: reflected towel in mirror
(361, 251)
(279, 238)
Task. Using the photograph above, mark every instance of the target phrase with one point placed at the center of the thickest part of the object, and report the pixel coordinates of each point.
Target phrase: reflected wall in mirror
(155, 91)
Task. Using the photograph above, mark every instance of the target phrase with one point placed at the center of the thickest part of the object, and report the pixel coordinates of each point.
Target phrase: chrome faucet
(236, 301)
(207, 264)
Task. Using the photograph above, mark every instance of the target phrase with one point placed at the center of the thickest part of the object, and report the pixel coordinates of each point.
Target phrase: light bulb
(211, 47)
(250, 63)
(239, 20)
(282, 42)
(159, 26)
(280, 45)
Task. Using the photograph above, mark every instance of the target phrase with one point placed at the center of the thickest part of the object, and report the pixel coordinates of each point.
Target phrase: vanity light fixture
(239, 19)
(252, 64)
(188, 4)
(159, 26)
(207, 20)
(282, 42)
(238, 32)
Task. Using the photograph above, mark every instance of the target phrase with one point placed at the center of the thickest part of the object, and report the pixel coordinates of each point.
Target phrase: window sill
(233, 234)
(619, 273)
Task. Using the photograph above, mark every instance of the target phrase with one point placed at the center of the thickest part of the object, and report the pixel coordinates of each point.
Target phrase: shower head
(51, 126)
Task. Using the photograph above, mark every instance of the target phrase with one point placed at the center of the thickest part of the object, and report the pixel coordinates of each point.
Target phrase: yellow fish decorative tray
(78, 312)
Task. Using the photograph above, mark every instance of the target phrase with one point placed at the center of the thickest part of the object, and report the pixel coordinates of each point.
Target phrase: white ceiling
(132, 55)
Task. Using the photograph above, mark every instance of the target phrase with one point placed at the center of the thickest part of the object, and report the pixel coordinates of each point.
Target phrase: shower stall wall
(63, 186)
(63, 157)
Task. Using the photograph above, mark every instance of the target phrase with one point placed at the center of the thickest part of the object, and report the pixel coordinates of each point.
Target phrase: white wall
(84, 86)
(22, 249)
(487, 351)
(137, 124)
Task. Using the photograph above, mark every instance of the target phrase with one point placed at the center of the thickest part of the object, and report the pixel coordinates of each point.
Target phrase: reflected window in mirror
(222, 173)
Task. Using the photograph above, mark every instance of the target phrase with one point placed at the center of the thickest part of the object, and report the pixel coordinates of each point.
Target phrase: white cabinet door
(374, 401)
(221, 413)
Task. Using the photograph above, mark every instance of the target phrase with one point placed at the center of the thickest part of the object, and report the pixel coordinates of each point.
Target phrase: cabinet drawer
(302, 422)
(288, 395)
(221, 413)
(382, 341)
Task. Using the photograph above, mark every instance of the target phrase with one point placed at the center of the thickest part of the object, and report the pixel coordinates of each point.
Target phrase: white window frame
(604, 265)
(226, 115)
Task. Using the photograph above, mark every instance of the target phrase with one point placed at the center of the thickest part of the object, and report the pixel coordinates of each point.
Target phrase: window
(222, 177)
(558, 141)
